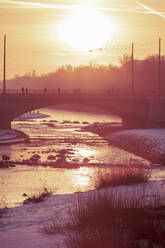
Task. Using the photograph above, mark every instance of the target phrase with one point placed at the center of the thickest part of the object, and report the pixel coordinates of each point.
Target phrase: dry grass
(121, 175)
(39, 197)
(96, 239)
(3, 210)
(106, 219)
(3, 204)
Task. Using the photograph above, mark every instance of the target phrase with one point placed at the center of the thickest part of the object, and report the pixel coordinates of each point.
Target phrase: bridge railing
(76, 92)
(62, 92)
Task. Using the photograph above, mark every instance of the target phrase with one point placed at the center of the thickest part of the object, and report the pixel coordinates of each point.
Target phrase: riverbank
(146, 143)
(11, 136)
(31, 115)
(24, 226)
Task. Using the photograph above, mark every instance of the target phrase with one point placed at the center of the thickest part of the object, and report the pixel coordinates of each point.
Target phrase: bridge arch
(128, 119)
(133, 111)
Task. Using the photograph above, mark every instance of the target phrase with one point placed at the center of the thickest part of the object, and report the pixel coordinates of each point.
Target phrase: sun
(86, 29)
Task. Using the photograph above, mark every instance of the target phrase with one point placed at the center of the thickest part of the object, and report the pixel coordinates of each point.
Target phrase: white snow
(152, 137)
(31, 115)
(8, 136)
(22, 226)
(148, 143)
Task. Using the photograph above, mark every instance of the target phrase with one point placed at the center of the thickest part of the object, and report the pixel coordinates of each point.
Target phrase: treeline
(94, 76)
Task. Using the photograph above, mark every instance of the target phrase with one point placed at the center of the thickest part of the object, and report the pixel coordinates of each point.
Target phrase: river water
(61, 130)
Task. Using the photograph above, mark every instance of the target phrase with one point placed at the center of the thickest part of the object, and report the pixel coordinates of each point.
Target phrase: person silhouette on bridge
(59, 91)
(22, 89)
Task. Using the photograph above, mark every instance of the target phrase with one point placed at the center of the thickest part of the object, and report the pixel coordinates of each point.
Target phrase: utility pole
(4, 71)
(159, 68)
(132, 70)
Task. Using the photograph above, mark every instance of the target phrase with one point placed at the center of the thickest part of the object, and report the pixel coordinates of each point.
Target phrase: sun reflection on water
(83, 177)
(85, 152)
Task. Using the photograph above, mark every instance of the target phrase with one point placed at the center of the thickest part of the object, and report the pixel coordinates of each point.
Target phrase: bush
(107, 219)
(38, 197)
(121, 175)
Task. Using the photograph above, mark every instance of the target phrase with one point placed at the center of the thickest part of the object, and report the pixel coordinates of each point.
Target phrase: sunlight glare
(86, 29)
(86, 152)
(83, 176)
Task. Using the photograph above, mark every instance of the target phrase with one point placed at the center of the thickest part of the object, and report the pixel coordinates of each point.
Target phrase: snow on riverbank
(148, 143)
(31, 115)
(22, 226)
(9, 136)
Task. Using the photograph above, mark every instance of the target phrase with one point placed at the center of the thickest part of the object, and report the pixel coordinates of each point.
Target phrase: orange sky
(43, 34)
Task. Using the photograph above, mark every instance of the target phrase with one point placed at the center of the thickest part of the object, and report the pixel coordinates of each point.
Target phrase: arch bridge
(135, 111)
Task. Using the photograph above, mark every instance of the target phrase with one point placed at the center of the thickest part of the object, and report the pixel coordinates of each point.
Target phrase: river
(61, 130)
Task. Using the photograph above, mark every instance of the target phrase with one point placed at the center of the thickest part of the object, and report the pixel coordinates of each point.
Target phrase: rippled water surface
(48, 137)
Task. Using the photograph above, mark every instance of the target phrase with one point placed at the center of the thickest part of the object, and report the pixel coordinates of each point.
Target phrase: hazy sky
(43, 34)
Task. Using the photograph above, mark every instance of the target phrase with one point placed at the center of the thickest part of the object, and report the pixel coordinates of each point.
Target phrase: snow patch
(29, 115)
(9, 136)
(149, 143)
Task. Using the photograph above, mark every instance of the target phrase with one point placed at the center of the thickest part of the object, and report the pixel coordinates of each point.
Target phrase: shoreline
(13, 136)
(150, 146)
(146, 143)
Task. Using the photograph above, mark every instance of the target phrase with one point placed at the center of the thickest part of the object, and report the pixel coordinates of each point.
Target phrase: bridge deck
(74, 93)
